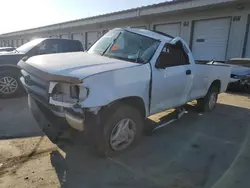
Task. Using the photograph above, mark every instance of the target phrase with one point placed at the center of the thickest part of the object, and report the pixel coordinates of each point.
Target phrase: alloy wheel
(8, 85)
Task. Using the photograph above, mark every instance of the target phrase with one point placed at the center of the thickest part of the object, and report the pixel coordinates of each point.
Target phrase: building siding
(152, 16)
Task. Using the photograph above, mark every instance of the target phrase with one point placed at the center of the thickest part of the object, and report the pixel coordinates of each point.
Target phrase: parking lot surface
(199, 150)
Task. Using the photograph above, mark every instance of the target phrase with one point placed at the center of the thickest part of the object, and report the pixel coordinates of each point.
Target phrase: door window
(48, 47)
(173, 55)
(71, 46)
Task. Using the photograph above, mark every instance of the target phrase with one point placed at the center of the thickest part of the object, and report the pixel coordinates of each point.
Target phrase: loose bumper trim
(43, 111)
(75, 122)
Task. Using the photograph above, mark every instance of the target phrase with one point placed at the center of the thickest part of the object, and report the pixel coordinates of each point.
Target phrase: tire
(208, 103)
(247, 87)
(14, 87)
(118, 116)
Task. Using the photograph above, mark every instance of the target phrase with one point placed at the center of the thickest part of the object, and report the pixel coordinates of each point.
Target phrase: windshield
(125, 45)
(29, 45)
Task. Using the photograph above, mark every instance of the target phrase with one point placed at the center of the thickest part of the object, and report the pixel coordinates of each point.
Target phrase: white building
(214, 29)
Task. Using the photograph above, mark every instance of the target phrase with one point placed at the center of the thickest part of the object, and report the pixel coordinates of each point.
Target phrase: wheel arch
(216, 83)
(10, 67)
(134, 101)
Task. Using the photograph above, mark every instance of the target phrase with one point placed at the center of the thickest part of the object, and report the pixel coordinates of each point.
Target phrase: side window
(71, 46)
(48, 47)
(173, 55)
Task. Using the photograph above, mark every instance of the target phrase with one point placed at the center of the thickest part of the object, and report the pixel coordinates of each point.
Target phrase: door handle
(188, 72)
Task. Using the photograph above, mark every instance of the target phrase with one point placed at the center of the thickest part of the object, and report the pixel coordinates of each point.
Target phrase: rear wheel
(10, 85)
(247, 87)
(121, 131)
(208, 103)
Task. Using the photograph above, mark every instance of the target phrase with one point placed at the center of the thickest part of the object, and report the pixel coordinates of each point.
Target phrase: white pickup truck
(107, 92)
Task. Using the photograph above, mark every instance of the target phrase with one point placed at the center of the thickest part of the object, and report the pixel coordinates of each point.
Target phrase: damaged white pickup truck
(107, 92)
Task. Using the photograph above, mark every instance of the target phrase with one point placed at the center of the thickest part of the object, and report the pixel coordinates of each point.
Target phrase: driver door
(171, 79)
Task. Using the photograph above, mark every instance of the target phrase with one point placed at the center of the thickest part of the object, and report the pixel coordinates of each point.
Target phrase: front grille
(35, 86)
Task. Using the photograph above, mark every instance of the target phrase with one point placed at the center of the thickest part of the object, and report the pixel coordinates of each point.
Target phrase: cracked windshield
(125, 94)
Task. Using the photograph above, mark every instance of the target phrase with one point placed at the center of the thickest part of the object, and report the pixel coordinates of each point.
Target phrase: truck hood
(240, 70)
(77, 64)
(236, 69)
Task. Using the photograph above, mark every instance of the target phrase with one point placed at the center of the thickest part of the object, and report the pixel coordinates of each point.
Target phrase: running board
(180, 114)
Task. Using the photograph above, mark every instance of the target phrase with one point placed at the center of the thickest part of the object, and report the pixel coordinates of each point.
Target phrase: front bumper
(55, 119)
(50, 124)
(240, 85)
(38, 92)
(53, 126)
(46, 116)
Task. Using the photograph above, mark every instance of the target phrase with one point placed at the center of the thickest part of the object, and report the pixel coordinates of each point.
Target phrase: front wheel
(208, 103)
(9, 84)
(247, 87)
(121, 131)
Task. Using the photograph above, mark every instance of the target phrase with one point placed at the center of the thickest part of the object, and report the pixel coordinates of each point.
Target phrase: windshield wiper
(139, 60)
(16, 50)
(111, 44)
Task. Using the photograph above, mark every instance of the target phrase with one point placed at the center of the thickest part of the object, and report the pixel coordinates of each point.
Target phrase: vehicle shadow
(192, 152)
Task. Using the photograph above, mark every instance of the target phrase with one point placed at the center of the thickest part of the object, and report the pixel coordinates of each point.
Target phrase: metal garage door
(16, 43)
(170, 29)
(25, 41)
(140, 27)
(19, 42)
(91, 38)
(247, 52)
(210, 38)
(54, 36)
(80, 37)
(66, 36)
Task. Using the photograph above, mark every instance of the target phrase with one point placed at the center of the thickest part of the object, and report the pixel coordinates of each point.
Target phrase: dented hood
(78, 64)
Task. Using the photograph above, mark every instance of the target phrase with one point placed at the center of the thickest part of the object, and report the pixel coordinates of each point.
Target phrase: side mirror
(25, 58)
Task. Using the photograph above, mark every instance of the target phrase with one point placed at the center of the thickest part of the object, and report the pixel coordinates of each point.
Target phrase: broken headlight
(67, 93)
(74, 91)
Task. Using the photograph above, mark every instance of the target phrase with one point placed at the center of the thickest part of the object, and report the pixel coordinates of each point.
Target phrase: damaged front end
(68, 98)
(242, 83)
(62, 96)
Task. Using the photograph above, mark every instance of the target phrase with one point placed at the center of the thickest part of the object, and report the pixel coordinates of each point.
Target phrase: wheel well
(12, 68)
(217, 84)
(134, 101)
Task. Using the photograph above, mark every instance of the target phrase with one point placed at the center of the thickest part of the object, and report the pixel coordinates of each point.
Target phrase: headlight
(83, 93)
(234, 76)
(67, 93)
(74, 91)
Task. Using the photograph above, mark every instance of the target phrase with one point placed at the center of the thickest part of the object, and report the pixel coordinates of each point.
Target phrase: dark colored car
(9, 71)
(6, 49)
(240, 75)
